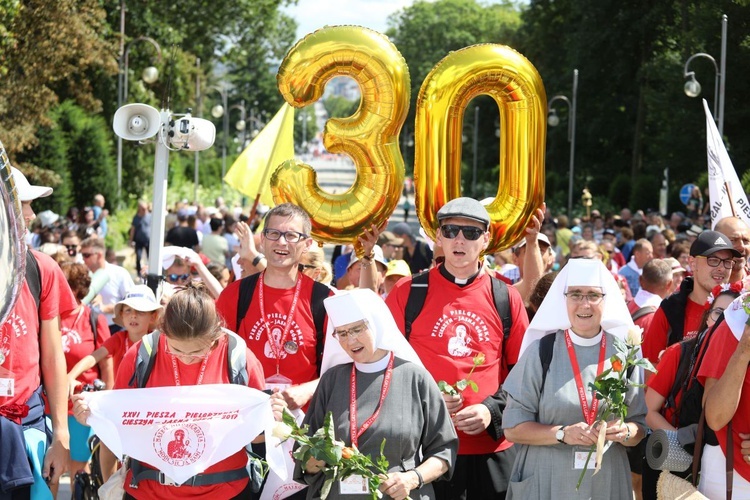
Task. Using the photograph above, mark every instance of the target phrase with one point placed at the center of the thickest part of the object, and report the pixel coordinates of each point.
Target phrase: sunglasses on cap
(471, 233)
(173, 278)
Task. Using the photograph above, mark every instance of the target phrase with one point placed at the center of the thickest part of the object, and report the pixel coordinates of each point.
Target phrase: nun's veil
(552, 314)
(355, 305)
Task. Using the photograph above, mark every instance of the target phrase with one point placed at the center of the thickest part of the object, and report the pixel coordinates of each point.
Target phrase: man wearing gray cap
(459, 320)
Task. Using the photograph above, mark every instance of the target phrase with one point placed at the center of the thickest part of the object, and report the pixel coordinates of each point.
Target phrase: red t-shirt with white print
(455, 324)
(19, 335)
(299, 367)
(78, 341)
(163, 375)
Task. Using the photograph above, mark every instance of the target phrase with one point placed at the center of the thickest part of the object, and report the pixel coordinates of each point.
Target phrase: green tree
(424, 33)
(632, 113)
(48, 47)
(339, 106)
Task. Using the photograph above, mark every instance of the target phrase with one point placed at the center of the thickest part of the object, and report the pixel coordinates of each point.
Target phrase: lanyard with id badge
(277, 380)
(581, 454)
(356, 484)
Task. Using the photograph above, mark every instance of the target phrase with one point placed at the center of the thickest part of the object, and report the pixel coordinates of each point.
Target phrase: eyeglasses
(289, 236)
(351, 333)
(715, 313)
(86, 255)
(471, 233)
(592, 298)
(199, 356)
(177, 277)
(308, 266)
(715, 261)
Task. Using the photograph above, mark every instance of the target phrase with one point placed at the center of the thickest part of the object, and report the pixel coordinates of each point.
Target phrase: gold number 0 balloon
(369, 136)
(516, 86)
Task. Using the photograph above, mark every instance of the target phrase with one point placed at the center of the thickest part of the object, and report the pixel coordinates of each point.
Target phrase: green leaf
(474, 386)
(446, 388)
(461, 384)
(289, 419)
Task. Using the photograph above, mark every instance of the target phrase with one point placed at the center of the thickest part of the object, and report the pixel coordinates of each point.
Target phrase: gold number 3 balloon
(369, 136)
(516, 86)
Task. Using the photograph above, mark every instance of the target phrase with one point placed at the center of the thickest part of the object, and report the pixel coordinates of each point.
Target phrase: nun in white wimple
(373, 377)
(552, 417)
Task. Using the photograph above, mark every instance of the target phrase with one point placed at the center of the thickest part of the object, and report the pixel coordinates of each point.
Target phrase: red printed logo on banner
(179, 444)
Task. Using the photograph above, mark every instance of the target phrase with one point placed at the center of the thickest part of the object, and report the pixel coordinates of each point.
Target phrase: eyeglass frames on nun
(592, 298)
(351, 333)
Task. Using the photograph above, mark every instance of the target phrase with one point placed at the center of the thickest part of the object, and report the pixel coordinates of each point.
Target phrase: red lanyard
(353, 402)
(589, 414)
(176, 371)
(277, 347)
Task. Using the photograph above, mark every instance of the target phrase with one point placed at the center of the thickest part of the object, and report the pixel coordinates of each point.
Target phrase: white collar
(634, 266)
(583, 341)
(375, 366)
(644, 298)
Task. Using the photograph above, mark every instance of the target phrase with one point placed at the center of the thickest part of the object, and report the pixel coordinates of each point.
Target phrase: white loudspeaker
(195, 134)
(136, 122)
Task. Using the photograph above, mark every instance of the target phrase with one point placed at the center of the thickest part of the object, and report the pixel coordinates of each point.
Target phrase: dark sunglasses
(471, 233)
(86, 255)
(177, 277)
(72, 250)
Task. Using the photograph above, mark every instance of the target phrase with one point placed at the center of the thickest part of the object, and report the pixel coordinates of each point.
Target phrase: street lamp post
(553, 120)
(150, 75)
(474, 168)
(223, 110)
(199, 102)
(303, 120)
(217, 112)
(241, 125)
(693, 88)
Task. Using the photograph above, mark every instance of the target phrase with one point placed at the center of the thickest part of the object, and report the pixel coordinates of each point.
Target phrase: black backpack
(686, 382)
(418, 295)
(319, 293)
(144, 361)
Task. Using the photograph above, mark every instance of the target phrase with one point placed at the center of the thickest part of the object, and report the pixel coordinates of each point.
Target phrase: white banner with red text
(184, 430)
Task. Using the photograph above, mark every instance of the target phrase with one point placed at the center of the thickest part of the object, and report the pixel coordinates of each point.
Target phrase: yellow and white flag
(251, 172)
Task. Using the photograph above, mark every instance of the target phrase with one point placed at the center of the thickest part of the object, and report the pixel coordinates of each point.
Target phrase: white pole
(161, 167)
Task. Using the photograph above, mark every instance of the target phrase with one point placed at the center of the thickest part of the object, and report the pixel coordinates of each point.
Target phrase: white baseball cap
(141, 298)
(27, 192)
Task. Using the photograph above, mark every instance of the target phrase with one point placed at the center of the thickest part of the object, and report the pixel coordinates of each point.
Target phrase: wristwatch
(560, 435)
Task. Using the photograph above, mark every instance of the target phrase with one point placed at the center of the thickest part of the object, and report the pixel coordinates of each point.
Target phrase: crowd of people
(369, 334)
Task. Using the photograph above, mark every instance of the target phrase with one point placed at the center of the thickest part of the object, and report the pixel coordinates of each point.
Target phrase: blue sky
(314, 14)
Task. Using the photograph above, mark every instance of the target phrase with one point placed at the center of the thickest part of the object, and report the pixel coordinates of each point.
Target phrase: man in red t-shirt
(278, 326)
(679, 316)
(458, 321)
(31, 348)
(656, 281)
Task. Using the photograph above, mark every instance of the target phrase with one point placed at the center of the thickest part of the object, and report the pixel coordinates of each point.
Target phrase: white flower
(634, 336)
(281, 431)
